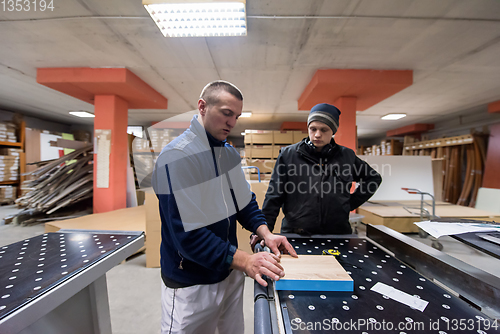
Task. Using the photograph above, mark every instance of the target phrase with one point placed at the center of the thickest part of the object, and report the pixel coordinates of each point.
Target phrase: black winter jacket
(313, 188)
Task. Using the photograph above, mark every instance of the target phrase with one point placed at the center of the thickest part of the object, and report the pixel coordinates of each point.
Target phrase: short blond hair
(210, 92)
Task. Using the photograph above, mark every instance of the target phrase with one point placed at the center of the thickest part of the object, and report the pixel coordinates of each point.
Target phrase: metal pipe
(262, 316)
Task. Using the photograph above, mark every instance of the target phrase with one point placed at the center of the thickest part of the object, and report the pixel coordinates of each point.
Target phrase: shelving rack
(21, 135)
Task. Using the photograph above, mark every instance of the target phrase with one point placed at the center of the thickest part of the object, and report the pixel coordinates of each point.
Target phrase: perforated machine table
(401, 263)
(55, 283)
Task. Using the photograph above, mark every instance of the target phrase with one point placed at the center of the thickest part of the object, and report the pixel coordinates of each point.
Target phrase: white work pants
(200, 309)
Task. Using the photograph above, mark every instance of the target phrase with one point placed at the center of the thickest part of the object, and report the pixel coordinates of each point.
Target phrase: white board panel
(48, 152)
(401, 172)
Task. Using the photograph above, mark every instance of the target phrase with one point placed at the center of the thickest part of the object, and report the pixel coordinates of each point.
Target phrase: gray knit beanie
(325, 113)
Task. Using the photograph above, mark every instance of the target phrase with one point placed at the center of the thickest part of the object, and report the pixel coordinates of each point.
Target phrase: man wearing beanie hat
(312, 180)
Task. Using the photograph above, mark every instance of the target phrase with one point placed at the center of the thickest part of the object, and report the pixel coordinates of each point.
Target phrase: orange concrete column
(347, 132)
(494, 107)
(111, 113)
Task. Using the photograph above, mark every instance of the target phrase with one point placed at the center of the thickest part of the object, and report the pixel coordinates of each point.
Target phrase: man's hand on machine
(277, 243)
(254, 240)
(264, 263)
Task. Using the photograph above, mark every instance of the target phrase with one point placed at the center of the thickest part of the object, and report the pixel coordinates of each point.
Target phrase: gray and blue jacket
(202, 192)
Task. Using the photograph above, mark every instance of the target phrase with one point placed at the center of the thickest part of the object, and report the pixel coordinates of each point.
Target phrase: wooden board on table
(129, 219)
(314, 273)
(441, 211)
(398, 219)
(407, 203)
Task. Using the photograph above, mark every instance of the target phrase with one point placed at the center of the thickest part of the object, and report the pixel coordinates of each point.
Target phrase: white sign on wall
(48, 152)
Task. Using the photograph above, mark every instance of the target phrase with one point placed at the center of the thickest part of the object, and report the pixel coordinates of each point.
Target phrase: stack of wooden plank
(8, 132)
(463, 164)
(58, 186)
(7, 194)
(9, 164)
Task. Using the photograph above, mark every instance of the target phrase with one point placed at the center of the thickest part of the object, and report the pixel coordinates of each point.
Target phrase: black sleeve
(369, 180)
(275, 195)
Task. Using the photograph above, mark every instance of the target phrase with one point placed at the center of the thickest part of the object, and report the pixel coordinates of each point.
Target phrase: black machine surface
(41, 273)
(367, 311)
(488, 242)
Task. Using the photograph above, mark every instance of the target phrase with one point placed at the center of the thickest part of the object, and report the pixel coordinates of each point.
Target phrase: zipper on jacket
(182, 259)
(217, 166)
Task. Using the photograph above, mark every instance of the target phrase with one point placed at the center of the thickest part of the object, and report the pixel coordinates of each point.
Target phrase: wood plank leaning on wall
(491, 174)
(32, 149)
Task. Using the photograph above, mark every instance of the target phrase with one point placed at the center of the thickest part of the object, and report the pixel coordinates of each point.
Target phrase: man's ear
(202, 107)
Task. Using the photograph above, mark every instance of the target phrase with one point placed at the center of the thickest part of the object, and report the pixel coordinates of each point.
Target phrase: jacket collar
(305, 147)
(200, 131)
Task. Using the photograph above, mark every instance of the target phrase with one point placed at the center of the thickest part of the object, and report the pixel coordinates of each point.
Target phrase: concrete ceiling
(452, 46)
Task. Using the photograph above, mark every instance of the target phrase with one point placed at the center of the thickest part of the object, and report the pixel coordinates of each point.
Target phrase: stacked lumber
(57, 186)
(386, 147)
(9, 164)
(7, 194)
(464, 157)
(8, 132)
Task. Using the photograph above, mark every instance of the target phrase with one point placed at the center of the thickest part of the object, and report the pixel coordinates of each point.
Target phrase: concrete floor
(134, 290)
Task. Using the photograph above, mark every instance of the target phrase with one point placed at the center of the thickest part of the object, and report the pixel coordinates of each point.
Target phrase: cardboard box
(264, 152)
(263, 177)
(264, 166)
(262, 137)
(298, 136)
(153, 229)
(283, 137)
(153, 241)
(276, 150)
(247, 139)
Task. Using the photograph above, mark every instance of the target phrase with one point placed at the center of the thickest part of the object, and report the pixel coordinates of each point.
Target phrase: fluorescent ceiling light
(246, 114)
(198, 18)
(392, 117)
(81, 113)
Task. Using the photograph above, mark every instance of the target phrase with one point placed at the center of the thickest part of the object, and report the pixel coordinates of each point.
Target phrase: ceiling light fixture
(246, 114)
(392, 117)
(81, 113)
(198, 18)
